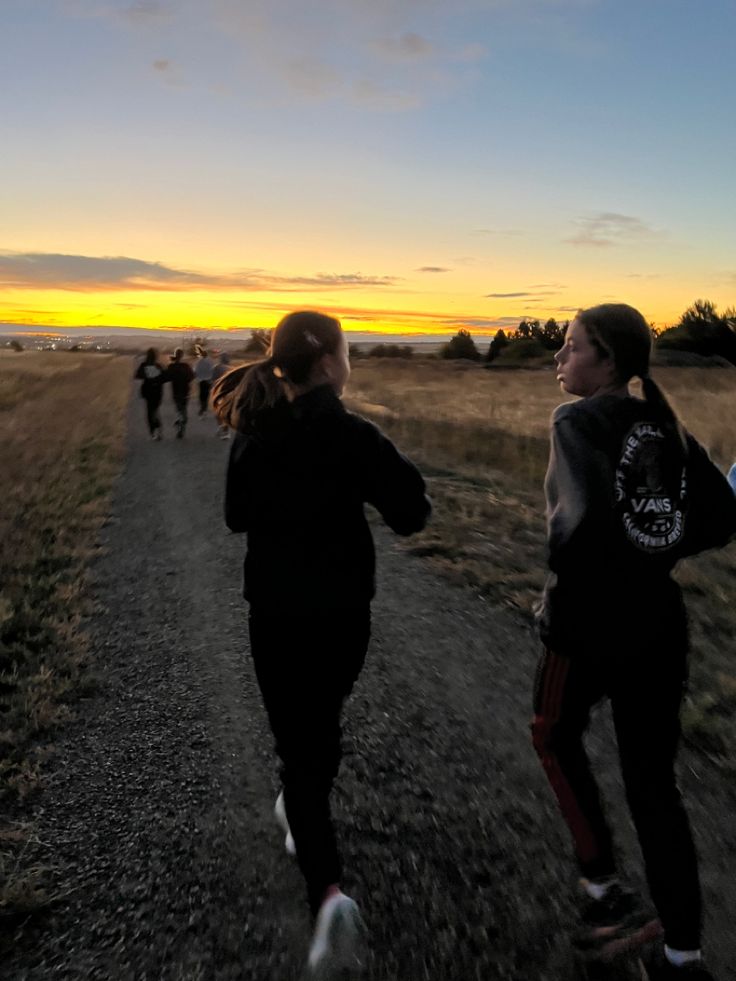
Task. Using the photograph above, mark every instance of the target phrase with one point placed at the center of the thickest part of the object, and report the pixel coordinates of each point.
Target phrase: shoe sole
(609, 949)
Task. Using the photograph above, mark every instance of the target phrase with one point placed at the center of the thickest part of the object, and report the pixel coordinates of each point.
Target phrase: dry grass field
(481, 437)
(61, 428)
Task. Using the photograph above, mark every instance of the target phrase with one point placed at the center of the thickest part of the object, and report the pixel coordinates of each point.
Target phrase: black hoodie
(624, 504)
(297, 483)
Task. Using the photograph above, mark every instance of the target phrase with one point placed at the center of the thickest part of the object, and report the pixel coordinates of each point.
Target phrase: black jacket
(297, 483)
(180, 374)
(624, 504)
(152, 378)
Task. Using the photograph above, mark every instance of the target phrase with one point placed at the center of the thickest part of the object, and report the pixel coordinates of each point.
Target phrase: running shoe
(279, 811)
(618, 922)
(660, 969)
(339, 941)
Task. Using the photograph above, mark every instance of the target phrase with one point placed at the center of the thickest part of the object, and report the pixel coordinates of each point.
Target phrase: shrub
(461, 345)
(391, 351)
(523, 350)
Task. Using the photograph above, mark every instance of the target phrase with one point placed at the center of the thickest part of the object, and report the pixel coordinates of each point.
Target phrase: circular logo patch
(650, 490)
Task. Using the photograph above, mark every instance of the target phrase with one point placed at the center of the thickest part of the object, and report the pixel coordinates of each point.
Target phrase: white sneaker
(339, 941)
(279, 811)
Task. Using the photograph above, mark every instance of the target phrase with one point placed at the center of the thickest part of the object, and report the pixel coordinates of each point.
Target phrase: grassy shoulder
(62, 422)
(481, 440)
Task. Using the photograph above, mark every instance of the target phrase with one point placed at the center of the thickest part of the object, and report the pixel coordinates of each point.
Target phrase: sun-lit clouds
(609, 228)
(90, 274)
(531, 292)
(433, 269)
(87, 273)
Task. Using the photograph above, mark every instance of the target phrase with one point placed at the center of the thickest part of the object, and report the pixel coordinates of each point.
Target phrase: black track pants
(645, 694)
(152, 414)
(306, 667)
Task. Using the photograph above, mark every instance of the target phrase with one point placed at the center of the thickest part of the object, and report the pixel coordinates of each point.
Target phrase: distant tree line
(702, 330)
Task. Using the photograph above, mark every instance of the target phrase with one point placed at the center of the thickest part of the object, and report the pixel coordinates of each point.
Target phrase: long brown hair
(297, 344)
(621, 333)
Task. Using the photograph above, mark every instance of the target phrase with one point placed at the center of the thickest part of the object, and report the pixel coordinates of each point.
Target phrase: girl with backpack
(301, 469)
(629, 492)
(152, 377)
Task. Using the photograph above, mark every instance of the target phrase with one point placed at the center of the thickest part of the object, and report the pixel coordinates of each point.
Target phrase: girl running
(301, 468)
(152, 377)
(622, 487)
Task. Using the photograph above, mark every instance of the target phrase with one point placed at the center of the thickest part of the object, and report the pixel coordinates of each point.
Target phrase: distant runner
(152, 377)
(180, 374)
(203, 369)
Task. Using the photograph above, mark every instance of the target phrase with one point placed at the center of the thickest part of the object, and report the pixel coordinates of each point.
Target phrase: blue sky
(412, 162)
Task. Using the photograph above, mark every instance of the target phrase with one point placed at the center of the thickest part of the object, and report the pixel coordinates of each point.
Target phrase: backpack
(671, 504)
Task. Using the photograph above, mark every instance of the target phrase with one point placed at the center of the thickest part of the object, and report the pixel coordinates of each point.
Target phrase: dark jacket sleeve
(237, 505)
(392, 484)
(579, 489)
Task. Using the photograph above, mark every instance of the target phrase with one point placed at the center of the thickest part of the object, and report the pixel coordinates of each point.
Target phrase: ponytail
(299, 341)
(656, 398)
(240, 395)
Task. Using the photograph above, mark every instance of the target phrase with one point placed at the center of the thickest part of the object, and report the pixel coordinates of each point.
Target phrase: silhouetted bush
(391, 351)
(461, 345)
(524, 349)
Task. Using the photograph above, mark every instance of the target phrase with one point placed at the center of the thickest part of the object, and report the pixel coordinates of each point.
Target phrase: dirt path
(160, 795)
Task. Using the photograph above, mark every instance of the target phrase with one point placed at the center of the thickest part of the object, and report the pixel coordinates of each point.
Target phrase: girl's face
(336, 367)
(581, 368)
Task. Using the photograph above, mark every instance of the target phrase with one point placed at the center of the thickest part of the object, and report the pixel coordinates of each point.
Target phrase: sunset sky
(410, 165)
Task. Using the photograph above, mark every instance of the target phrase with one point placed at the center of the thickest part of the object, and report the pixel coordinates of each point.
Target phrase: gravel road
(158, 808)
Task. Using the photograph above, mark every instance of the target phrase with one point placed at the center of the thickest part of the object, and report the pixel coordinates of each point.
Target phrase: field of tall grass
(61, 435)
(480, 436)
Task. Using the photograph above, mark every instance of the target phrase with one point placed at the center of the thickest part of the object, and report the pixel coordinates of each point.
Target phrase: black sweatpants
(645, 692)
(181, 402)
(204, 395)
(306, 666)
(152, 415)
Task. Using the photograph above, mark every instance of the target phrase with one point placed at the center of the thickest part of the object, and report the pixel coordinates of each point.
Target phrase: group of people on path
(629, 492)
(153, 376)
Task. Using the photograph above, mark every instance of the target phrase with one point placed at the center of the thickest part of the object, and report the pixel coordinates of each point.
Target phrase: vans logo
(659, 505)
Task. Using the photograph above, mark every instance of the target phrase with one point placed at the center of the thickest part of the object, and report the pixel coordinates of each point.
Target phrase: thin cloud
(504, 296)
(608, 228)
(375, 95)
(502, 232)
(313, 77)
(530, 293)
(146, 12)
(143, 13)
(162, 64)
(37, 270)
(407, 46)
(433, 269)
